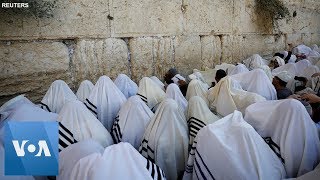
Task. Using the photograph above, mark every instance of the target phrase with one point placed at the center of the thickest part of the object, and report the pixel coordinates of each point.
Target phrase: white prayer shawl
(158, 82)
(69, 156)
(126, 85)
(174, 93)
(289, 129)
(177, 78)
(312, 175)
(198, 76)
(165, 140)
(226, 67)
(57, 95)
(256, 81)
(301, 49)
(309, 71)
(301, 66)
(279, 60)
(315, 48)
(254, 61)
(83, 124)
(119, 161)
(105, 101)
(231, 149)
(315, 84)
(150, 93)
(318, 64)
(289, 67)
(240, 68)
(84, 90)
(208, 75)
(196, 88)
(268, 72)
(131, 122)
(228, 96)
(198, 116)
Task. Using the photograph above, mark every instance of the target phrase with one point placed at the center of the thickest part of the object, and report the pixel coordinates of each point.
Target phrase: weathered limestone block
(163, 53)
(30, 68)
(94, 58)
(146, 18)
(205, 17)
(83, 18)
(293, 40)
(187, 54)
(210, 51)
(142, 58)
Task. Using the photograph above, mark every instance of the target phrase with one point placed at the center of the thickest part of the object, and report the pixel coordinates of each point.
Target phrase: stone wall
(85, 39)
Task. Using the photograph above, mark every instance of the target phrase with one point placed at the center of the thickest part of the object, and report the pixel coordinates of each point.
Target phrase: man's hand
(311, 98)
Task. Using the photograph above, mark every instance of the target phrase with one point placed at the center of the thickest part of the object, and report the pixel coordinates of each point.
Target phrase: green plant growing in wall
(275, 8)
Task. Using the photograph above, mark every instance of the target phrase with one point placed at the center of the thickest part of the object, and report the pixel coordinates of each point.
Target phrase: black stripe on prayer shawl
(275, 148)
(95, 107)
(288, 57)
(189, 167)
(116, 132)
(143, 97)
(44, 105)
(94, 112)
(155, 171)
(316, 87)
(198, 155)
(65, 137)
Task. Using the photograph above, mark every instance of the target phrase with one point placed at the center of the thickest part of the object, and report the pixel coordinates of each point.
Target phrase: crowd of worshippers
(257, 119)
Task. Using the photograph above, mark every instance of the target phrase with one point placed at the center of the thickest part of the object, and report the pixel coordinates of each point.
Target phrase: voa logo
(42, 148)
(31, 148)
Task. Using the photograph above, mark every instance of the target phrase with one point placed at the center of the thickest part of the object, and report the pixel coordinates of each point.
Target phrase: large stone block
(210, 51)
(94, 58)
(205, 17)
(30, 67)
(142, 57)
(146, 18)
(187, 54)
(70, 19)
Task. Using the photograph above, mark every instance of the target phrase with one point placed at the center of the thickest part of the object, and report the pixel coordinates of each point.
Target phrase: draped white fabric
(174, 93)
(231, 149)
(165, 140)
(240, 68)
(69, 156)
(289, 126)
(208, 75)
(254, 61)
(198, 116)
(157, 81)
(105, 101)
(83, 124)
(312, 175)
(126, 85)
(226, 67)
(309, 71)
(301, 49)
(302, 65)
(279, 60)
(227, 96)
(150, 93)
(84, 90)
(119, 161)
(57, 95)
(197, 88)
(131, 122)
(315, 84)
(256, 81)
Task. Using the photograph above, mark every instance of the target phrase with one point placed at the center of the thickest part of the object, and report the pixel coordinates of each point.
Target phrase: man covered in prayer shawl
(219, 75)
(196, 88)
(119, 161)
(280, 81)
(57, 95)
(126, 85)
(84, 90)
(172, 76)
(150, 93)
(69, 156)
(131, 122)
(174, 93)
(231, 149)
(276, 62)
(240, 68)
(198, 116)
(287, 56)
(228, 95)
(290, 132)
(254, 61)
(158, 82)
(105, 101)
(256, 81)
(83, 124)
(165, 140)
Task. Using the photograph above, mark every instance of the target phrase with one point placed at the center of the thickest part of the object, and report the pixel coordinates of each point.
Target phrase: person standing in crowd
(219, 75)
